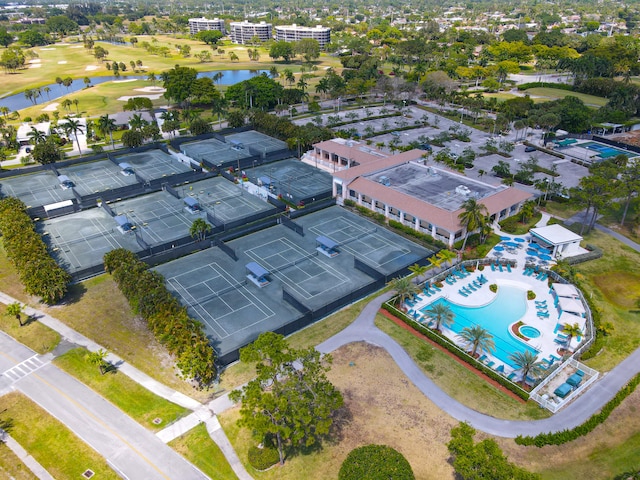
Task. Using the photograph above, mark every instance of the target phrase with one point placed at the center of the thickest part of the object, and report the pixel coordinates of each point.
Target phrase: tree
(527, 363)
(404, 289)
(47, 152)
(527, 210)
(199, 229)
(472, 217)
(259, 91)
(12, 59)
(106, 126)
(33, 38)
(375, 461)
(98, 358)
(418, 270)
(36, 136)
(6, 38)
(73, 126)
(219, 107)
(233, 57)
(571, 331)
(137, 104)
(132, 138)
(61, 25)
(308, 48)
(210, 37)
(290, 402)
(441, 314)
(178, 83)
(281, 49)
(15, 309)
(236, 118)
(100, 53)
(477, 338)
(199, 126)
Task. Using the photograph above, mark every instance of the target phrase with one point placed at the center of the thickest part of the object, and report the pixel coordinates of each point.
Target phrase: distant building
(24, 135)
(295, 33)
(243, 32)
(199, 24)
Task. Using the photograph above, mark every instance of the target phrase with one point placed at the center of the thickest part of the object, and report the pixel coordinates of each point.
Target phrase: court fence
(167, 188)
(107, 209)
(312, 207)
(144, 245)
(225, 248)
(287, 222)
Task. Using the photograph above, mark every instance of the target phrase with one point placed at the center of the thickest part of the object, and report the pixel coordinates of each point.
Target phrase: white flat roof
(555, 234)
(565, 290)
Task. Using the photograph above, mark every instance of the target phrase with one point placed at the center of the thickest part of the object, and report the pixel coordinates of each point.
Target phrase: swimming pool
(508, 307)
(529, 331)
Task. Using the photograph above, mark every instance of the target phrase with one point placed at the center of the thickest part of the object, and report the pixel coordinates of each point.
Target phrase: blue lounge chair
(560, 341)
(476, 284)
(500, 266)
(462, 293)
(436, 288)
(490, 364)
(558, 327)
(508, 268)
(511, 376)
(471, 287)
(467, 291)
(553, 357)
(500, 369)
(493, 268)
(427, 293)
(543, 315)
(482, 358)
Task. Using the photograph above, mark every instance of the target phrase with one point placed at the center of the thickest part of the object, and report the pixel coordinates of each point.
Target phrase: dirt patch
(620, 288)
(384, 407)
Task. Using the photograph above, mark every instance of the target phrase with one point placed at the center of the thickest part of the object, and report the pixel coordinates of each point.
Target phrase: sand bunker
(42, 49)
(51, 107)
(150, 97)
(150, 89)
(62, 62)
(35, 65)
(35, 60)
(125, 80)
(77, 46)
(90, 68)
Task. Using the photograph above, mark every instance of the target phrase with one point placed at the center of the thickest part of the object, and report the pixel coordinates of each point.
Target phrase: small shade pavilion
(561, 241)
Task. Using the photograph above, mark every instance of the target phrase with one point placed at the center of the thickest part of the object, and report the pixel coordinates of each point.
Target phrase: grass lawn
(129, 396)
(562, 209)
(34, 335)
(381, 406)
(12, 467)
(556, 93)
(197, 447)
(614, 286)
(468, 388)
(55, 447)
(517, 227)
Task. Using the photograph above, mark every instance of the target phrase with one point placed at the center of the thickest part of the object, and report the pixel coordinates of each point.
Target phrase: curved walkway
(364, 329)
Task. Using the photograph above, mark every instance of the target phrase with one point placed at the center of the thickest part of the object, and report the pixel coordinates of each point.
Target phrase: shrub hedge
(148, 297)
(375, 462)
(454, 349)
(263, 458)
(560, 86)
(564, 436)
(38, 272)
(594, 253)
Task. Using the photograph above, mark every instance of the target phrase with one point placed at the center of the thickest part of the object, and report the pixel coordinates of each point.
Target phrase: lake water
(19, 101)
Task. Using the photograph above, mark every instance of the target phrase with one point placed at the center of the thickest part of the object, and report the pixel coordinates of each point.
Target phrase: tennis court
(214, 151)
(292, 179)
(158, 217)
(606, 151)
(256, 141)
(153, 164)
(225, 201)
(81, 239)
(376, 246)
(96, 177)
(36, 189)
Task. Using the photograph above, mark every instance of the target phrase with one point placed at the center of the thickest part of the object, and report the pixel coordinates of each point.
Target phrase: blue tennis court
(605, 151)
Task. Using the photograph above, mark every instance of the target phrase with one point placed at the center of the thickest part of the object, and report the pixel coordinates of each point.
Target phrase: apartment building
(243, 32)
(295, 33)
(199, 24)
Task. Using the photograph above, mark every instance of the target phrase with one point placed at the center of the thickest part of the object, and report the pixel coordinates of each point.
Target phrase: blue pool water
(529, 331)
(508, 307)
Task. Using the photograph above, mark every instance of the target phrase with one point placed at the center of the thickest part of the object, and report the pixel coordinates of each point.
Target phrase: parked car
(529, 148)
(426, 147)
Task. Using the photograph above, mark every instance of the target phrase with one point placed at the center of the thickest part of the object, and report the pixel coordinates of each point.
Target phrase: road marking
(25, 368)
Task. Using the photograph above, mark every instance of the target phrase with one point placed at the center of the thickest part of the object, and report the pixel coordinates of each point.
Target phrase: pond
(19, 101)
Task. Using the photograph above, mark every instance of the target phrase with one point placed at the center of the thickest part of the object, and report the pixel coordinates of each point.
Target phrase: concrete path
(130, 449)
(31, 463)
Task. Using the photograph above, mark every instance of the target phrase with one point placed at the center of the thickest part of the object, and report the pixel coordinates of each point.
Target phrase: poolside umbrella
(511, 244)
(531, 259)
(498, 248)
(534, 245)
(505, 239)
(518, 239)
(545, 257)
(532, 252)
(497, 254)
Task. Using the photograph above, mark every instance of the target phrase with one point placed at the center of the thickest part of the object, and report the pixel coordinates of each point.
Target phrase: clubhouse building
(426, 198)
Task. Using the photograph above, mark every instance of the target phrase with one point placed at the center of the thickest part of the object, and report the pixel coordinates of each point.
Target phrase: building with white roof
(200, 24)
(243, 32)
(295, 33)
(562, 242)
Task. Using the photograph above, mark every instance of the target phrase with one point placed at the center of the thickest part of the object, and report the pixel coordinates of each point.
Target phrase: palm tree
(441, 314)
(152, 78)
(36, 136)
(107, 125)
(273, 72)
(76, 102)
(137, 122)
(403, 287)
(66, 103)
(472, 218)
(418, 270)
(98, 358)
(527, 363)
(47, 90)
(477, 338)
(446, 256)
(199, 229)
(289, 77)
(15, 310)
(527, 210)
(219, 107)
(73, 126)
(571, 331)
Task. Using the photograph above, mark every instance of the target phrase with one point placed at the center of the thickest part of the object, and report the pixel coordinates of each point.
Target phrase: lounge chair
(553, 357)
(580, 373)
(471, 287)
(467, 291)
(493, 268)
(490, 364)
(540, 302)
(436, 288)
(511, 376)
(560, 341)
(462, 293)
(543, 315)
(500, 266)
(482, 358)
(500, 369)
(508, 268)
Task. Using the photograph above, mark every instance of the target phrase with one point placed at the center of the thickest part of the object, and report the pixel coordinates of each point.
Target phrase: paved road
(364, 329)
(130, 449)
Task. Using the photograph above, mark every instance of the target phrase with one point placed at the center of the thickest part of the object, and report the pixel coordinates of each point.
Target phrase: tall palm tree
(527, 210)
(571, 331)
(527, 363)
(15, 310)
(219, 107)
(76, 102)
(152, 78)
(137, 122)
(73, 126)
(446, 256)
(403, 287)
(273, 72)
(477, 338)
(472, 218)
(106, 126)
(418, 271)
(441, 314)
(199, 229)
(36, 136)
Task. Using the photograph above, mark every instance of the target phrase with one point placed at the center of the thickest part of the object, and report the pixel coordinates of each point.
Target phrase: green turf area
(132, 398)
(458, 381)
(55, 447)
(11, 466)
(33, 334)
(197, 447)
(556, 93)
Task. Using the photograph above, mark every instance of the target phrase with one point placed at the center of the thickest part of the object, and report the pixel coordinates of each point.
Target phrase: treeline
(284, 129)
(148, 297)
(38, 272)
